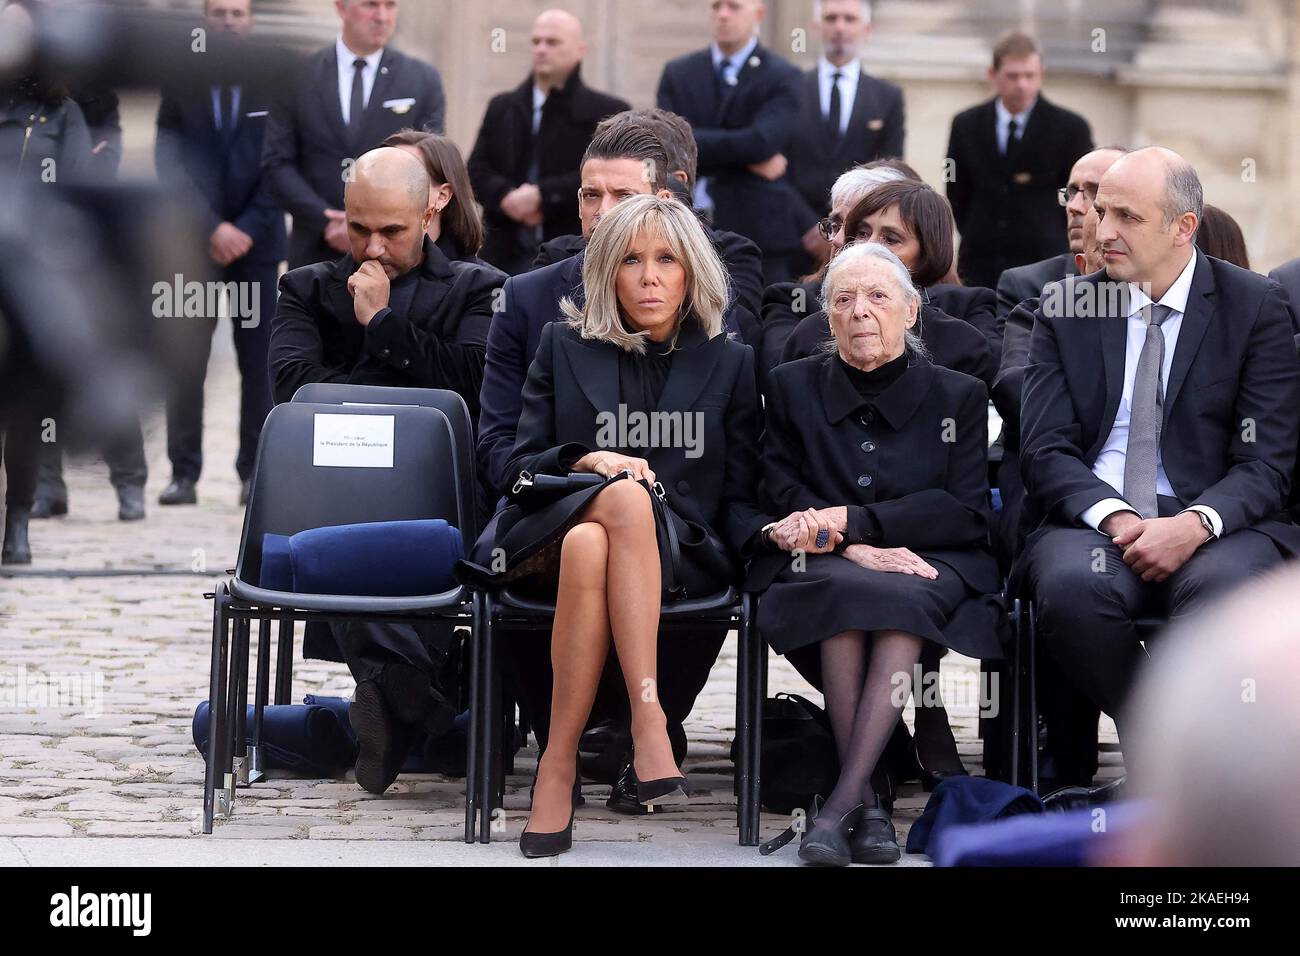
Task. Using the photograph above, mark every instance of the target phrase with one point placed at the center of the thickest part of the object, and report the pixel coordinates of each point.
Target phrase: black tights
(866, 680)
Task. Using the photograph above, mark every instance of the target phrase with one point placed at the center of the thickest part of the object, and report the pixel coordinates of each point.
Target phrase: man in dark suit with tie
(1019, 283)
(1160, 413)
(846, 116)
(524, 165)
(1007, 159)
(346, 99)
(742, 102)
(209, 145)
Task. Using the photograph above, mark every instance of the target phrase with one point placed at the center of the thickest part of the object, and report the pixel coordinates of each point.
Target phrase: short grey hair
(853, 186)
(866, 10)
(851, 254)
(1183, 193)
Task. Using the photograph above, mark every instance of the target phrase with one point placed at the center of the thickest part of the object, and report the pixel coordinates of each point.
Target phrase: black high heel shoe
(661, 792)
(932, 778)
(536, 845)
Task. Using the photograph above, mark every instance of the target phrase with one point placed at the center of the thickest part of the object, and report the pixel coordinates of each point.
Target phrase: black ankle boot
(826, 843)
(16, 548)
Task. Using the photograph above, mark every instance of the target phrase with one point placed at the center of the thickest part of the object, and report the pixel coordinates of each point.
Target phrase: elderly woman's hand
(607, 463)
(897, 560)
(798, 532)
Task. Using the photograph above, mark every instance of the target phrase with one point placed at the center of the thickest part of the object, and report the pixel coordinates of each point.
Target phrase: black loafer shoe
(130, 504)
(16, 548)
(1079, 798)
(874, 840)
(413, 700)
(622, 796)
(381, 741)
(181, 491)
(826, 843)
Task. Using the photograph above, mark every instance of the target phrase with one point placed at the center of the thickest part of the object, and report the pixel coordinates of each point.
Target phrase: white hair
(866, 10)
(853, 186)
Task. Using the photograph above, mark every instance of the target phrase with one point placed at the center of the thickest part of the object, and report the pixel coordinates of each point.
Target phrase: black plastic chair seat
(347, 603)
(516, 604)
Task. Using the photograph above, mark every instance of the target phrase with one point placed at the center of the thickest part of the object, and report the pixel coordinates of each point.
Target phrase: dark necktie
(833, 115)
(1146, 415)
(1012, 128)
(226, 121)
(357, 105)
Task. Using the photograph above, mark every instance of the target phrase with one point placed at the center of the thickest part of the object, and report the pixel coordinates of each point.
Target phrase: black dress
(875, 442)
(561, 423)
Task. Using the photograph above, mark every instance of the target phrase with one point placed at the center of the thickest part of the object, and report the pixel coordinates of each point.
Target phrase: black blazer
(913, 457)
(505, 149)
(743, 124)
(972, 304)
(1005, 206)
(952, 343)
(1235, 363)
(573, 379)
(875, 131)
(222, 174)
(1019, 283)
(307, 143)
(315, 336)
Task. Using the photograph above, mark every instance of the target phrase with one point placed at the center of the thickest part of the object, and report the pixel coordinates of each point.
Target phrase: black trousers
(124, 456)
(1087, 598)
(185, 401)
(19, 438)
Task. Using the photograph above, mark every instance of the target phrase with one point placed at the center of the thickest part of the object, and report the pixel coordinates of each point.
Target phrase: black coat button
(868, 446)
(385, 353)
(684, 487)
(868, 416)
(406, 363)
(864, 481)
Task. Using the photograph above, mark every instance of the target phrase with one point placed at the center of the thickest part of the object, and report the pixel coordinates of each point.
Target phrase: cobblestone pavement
(125, 658)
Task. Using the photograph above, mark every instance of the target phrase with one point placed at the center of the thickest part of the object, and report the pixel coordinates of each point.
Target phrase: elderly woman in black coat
(877, 458)
(640, 387)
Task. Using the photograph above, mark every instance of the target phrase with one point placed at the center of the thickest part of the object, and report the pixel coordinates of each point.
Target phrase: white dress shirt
(849, 74)
(539, 100)
(735, 62)
(1004, 122)
(345, 58)
(1109, 466)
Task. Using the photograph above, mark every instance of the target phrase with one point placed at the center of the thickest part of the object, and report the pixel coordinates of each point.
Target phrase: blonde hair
(600, 317)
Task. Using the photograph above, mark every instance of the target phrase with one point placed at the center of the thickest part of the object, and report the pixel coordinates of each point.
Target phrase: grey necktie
(357, 105)
(1146, 416)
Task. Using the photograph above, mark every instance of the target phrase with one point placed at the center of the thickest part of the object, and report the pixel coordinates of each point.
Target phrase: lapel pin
(383, 70)
(753, 61)
(875, 124)
(1022, 178)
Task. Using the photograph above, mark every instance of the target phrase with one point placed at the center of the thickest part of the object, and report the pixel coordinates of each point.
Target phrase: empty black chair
(290, 493)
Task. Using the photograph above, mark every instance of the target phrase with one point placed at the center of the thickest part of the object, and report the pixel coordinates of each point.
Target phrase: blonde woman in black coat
(645, 349)
(877, 458)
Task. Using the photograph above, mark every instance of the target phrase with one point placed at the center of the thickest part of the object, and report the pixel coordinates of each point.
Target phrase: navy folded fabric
(378, 558)
(1077, 838)
(304, 739)
(445, 755)
(277, 569)
(965, 800)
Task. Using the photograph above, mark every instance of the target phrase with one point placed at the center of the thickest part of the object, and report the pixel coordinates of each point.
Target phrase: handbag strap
(659, 498)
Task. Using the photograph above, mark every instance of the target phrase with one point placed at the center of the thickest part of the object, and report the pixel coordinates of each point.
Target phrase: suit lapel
(1200, 309)
(595, 367)
(327, 86)
(691, 369)
(746, 70)
(1113, 344)
(379, 94)
(857, 131)
(987, 131)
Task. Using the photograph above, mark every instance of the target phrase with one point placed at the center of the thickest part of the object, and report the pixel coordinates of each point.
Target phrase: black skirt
(705, 566)
(832, 594)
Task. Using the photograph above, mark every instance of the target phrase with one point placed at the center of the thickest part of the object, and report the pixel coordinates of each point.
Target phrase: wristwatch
(1206, 523)
(766, 531)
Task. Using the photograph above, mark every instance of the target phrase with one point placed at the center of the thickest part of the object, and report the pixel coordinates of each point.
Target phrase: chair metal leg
(1032, 726)
(472, 755)
(1013, 672)
(255, 770)
(488, 725)
(744, 729)
(284, 663)
(239, 710)
(216, 695)
(758, 659)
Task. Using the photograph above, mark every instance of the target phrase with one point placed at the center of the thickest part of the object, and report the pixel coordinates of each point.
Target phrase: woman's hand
(897, 560)
(607, 463)
(798, 532)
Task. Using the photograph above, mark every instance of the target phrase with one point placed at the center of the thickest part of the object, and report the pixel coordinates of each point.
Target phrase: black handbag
(534, 492)
(798, 759)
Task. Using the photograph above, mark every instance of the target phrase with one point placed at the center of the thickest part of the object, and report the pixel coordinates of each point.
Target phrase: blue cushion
(377, 559)
(277, 569)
